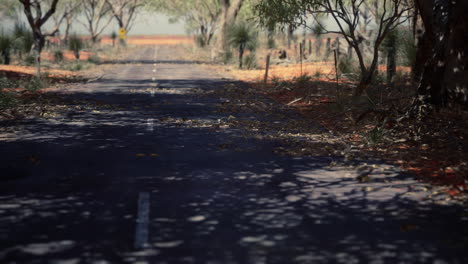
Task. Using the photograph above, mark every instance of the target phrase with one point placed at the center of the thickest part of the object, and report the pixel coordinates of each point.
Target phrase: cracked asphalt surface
(217, 194)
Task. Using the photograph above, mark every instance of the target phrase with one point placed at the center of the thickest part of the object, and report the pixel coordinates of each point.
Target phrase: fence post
(267, 68)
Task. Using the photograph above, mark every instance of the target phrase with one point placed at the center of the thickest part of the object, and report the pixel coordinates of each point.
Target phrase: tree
(200, 16)
(229, 11)
(36, 20)
(66, 12)
(442, 51)
(124, 11)
(242, 37)
(97, 15)
(347, 14)
(8, 9)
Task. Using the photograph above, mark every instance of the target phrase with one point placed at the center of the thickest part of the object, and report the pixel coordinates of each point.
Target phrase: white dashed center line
(142, 232)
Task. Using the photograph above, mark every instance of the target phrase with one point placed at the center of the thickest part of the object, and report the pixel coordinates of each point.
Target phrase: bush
(58, 56)
(375, 136)
(200, 41)
(407, 48)
(36, 84)
(24, 39)
(250, 61)
(30, 60)
(302, 81)
(76, 45)
(5, 48)
(242, 37)
(78, 66)
(94, 59)
(346, 66)
(271, 43)
(6, 99)
(227, 57)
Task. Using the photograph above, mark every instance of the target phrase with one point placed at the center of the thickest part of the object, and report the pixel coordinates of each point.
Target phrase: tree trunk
(241, 55)
(328, 48)
(445, 75)
(367, 76)
(290, 35)
(229, 11)
(391, 59)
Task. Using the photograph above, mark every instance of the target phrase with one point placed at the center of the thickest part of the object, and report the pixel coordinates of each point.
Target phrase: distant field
(154, 40)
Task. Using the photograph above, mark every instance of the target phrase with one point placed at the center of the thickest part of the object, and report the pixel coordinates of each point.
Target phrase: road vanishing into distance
(150, 174)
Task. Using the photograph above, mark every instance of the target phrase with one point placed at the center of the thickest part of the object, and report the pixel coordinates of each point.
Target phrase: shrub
(200, 41)
(271, 43)
(250, 61)
(5, 48)
(113, 37)
(94, 59)
(302, 80)
(37, 83)
(242, 37)
(30, 60)
(346, 66)
(375, 136)
(407, 48)
(23, 39)
(227, 57)
(76, 45)
(58, 56)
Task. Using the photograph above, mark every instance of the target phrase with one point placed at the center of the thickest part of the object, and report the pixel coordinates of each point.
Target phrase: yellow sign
(123, 33)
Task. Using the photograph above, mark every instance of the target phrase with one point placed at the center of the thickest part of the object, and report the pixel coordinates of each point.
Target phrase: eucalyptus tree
(125, 12)
(66, 13)
(38, 13)
(200, 16)
(97, 15)
(229, 12)
(347, 15)
(8, 9)
(442, 52)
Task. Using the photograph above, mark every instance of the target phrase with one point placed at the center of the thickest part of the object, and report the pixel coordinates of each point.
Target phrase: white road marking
(150, 121)
(154, 70)
(142, 232)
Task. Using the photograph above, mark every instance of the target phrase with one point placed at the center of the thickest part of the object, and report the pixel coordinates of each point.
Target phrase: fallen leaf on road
(408, 227)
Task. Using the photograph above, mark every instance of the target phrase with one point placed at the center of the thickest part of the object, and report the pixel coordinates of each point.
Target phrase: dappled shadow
(158, 61)
(217, 193)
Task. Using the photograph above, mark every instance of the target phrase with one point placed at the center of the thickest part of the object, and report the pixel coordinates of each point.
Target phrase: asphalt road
(150, 176)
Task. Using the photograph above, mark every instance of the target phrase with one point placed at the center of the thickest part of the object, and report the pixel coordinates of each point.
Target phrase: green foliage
(5, 83)
(7, 99)
(78, 66)
(75, 44)
(243, 37)
(302, 80)
(23, 39)
(30, 60)
(94, 59)
(5, 48)
(271, 44)
(407, 48)
(36, 84)
(250, 61)
(58, 56)
(375, 136)
(227, 57)
(346, 66)
(200, 41)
